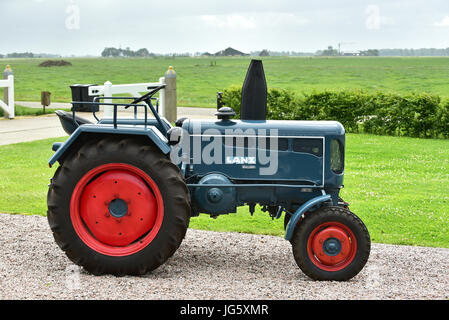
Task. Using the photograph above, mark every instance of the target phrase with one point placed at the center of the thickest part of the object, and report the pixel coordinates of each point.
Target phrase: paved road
(23, 129)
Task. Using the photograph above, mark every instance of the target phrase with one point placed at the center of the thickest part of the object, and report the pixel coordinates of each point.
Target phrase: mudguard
(151, 132)
(301, 210)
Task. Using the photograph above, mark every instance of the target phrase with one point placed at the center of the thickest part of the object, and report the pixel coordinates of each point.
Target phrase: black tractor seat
(67, 122)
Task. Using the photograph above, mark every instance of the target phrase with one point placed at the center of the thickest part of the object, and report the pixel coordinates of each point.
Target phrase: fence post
(11, 101)
(162, 98)
(108, 110)
(170, 95)
(8, 92)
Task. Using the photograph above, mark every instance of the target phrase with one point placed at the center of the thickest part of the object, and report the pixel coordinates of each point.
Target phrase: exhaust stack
(254, 93)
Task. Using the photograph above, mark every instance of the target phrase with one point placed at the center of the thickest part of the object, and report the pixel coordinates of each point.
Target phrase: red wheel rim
(116, 209)
(331, 246)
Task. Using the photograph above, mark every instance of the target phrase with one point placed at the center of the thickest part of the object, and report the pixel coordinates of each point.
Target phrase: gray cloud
(181, 26)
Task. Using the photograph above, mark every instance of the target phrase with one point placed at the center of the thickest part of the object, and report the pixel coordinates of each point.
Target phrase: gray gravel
(212, 265)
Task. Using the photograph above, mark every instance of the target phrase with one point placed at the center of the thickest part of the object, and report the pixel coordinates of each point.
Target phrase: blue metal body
(302, 174)
(305, 177)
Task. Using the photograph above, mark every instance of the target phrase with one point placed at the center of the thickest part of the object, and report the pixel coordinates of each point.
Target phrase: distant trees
(370, 52)
(264, 53)
(20, 55)
(333, 52)
(329, 52)
(114, 52)
(283, 53)
(414, 52)
(29, 55)
(142, 53)
(110, 52)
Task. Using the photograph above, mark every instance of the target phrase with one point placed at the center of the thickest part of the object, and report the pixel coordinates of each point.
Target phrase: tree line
(330, 51)
(114, 52)
(414, 52)
(422, 52)
(18, 55)
(29, 55)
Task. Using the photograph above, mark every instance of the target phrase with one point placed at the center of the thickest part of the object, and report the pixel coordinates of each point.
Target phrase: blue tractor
(125, 189)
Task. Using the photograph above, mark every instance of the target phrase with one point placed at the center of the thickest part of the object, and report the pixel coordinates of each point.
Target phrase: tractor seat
(67, 122)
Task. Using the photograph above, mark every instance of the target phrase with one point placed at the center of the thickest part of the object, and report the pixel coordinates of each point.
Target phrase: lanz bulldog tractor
(122, 197)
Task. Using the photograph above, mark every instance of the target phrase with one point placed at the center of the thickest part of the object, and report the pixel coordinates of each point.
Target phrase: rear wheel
(331, 243)
(118, 207)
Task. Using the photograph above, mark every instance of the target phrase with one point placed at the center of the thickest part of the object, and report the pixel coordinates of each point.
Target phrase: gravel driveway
(212, 265)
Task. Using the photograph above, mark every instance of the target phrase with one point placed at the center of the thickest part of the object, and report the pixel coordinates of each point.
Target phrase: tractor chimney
(254, 93)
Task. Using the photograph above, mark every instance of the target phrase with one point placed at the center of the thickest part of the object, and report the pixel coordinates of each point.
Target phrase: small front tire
(331, 243)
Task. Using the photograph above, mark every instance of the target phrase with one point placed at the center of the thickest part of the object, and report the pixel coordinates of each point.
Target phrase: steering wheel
(148, 95)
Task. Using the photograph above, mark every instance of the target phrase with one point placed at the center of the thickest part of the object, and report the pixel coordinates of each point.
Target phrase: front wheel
(331, 243)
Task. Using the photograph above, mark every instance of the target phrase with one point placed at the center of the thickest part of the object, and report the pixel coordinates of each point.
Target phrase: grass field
(398, 186)
(199, 79)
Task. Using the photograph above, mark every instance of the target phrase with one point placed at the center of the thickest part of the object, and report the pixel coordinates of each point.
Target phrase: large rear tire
(331, 243)
(118, 207)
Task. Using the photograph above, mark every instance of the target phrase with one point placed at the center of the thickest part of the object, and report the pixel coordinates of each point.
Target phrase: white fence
(8, 106)
(108, 90)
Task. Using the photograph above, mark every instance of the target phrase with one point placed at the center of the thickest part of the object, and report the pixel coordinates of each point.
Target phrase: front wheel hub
(331, 246)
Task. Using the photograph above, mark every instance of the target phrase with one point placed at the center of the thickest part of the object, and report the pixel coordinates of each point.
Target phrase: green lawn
(398, 186)
(199, 80)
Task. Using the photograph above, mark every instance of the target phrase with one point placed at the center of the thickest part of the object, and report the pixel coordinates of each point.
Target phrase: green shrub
(281, 104)
(414, 115)
(442, 119)
(232, 97)
(344, 106)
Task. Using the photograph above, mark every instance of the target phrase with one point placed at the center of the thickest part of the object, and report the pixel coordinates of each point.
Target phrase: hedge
(414, 115)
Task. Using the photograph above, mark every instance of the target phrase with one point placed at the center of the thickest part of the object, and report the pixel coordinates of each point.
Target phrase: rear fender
(151, 133)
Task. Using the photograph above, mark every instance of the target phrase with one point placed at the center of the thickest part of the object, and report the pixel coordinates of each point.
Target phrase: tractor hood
(251, 127)
(266, 150)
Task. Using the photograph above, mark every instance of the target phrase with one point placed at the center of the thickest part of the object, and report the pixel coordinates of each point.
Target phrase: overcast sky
(84, 27)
